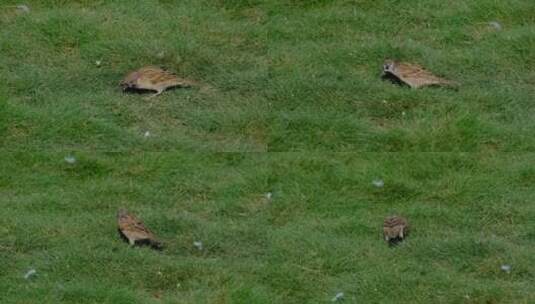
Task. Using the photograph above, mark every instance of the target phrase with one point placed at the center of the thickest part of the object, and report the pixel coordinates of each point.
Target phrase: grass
(275, 76)
(296, 83)
(58, 98)
(319, 235)
(327, 59)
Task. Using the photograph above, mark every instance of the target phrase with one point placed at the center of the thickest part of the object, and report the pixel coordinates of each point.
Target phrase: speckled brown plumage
(134, 231)
(413, 75)
(395, 228)
(153, 79)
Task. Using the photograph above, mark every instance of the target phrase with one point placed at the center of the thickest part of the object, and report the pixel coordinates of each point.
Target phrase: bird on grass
(395, 229)
(413, 75)
(134, 231)
(151, 78)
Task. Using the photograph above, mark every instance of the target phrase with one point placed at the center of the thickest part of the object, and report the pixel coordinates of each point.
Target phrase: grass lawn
(320, 234)
(296, 83)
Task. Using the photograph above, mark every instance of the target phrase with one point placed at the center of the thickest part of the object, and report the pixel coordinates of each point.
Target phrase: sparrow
(395, 228)
(413, 75)
(153, 79)
(134, 231)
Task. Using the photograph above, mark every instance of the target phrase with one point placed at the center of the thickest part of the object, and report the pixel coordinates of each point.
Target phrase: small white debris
(160, 55)
(198, 244)
(146, 134)
(30, 273)
(70, 159)
(24, 8)
(98, 63)
(379, 183)
(269, 195)
(338, 297)
(506, 268)
(496, 25)
(403, 113)
(385, 102)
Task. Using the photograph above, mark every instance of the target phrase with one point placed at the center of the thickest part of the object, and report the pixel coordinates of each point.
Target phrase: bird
(411, 74)
(134, 231)
(153, 79)
(395, 228)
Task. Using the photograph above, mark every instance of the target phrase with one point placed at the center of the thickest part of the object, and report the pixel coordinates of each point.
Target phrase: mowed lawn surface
(273, 75)
(56, 96)
(327, 58)
(318, 235)
(299, 78)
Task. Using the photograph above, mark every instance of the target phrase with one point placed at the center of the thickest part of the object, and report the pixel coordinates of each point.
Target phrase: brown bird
(413, 75)
(153, 79)
(134, 231)
(395, 228)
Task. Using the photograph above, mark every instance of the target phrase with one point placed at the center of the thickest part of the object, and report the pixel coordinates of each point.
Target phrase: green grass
(327, 59)
(319, 235)
(297, 83)
(275, 75)
(57, 98)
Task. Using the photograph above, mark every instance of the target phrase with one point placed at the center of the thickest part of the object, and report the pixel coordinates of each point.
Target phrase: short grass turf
(296, 78)
(327, 58)
(56, 96)
(318, 235)
(273, 75)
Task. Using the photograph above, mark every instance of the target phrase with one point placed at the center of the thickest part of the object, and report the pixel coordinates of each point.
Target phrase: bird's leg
(156, 94)
(132, 242)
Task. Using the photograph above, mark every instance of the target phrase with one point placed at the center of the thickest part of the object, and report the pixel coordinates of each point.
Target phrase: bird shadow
(146, 91)
(137, 91)
(393, 79)
(395, 242)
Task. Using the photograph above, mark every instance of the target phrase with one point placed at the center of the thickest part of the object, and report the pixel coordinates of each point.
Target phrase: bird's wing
(394, 221)
(416, 76)
(133, 227)
(153, 78)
